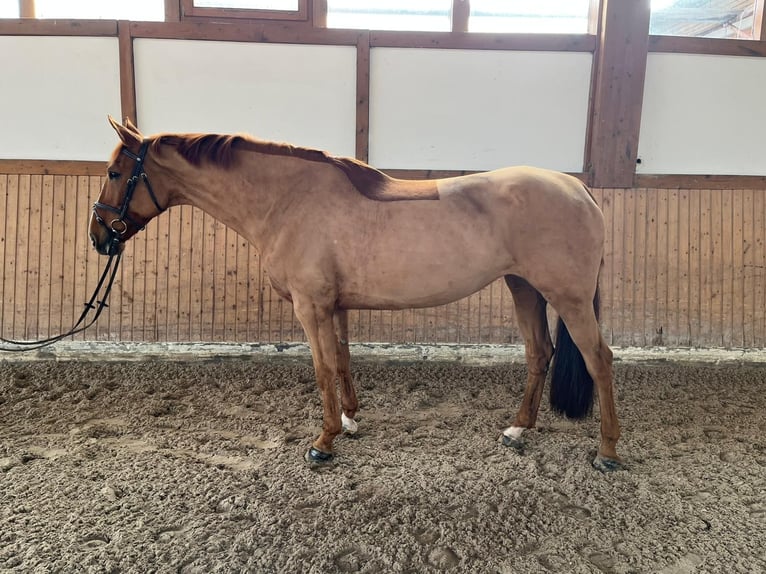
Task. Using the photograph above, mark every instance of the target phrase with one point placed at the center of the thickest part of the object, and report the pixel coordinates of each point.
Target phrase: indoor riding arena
(383, 286)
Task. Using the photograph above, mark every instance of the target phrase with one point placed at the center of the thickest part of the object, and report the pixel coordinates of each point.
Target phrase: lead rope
(100, 304)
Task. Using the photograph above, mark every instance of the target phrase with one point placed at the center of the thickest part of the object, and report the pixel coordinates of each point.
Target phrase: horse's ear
(127, 135)
(130, 125)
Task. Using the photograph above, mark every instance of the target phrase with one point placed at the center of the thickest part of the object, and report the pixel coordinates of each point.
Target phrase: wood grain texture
(618, 93)
(681, 268)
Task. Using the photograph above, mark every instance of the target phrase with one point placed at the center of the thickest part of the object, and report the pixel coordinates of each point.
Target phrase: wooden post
(363, 97)
(759, 21)
(460, 12)
(318, 13)
(620, 63)
(127, 72)
(172, 11)
(27, 8)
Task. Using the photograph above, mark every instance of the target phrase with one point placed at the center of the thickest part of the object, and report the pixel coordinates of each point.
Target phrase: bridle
(116, 229)
(118, 226)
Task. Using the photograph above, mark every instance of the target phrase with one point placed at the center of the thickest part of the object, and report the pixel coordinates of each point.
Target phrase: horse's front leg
(317, 321)
(348, 398)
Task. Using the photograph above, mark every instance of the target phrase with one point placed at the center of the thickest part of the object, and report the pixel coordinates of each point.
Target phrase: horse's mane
(219, 150)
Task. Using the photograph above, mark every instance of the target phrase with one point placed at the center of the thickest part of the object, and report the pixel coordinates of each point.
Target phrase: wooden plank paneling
(685, 243)
(44, 239)
(9, 253)
(716, 268)
(92, 260)
(67, 254)
(21, 254)
(682, 267)
(705, 270)
(618, 265)
(737, 322)
(759, 266)
(81, 209)
(605, 200)
(672, 304)
(651, 266)
(695, 287)
(32, 316)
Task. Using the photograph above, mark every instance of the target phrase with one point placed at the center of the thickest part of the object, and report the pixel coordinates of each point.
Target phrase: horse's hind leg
(580, 320)
(533, 323)
(348, 398)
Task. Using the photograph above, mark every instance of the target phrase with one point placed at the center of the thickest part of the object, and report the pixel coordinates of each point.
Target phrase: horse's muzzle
(106, 246)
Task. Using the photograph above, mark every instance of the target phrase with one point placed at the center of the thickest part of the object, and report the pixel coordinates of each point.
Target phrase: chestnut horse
(336, 234)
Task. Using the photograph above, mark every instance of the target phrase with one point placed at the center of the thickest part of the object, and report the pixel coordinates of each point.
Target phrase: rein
(116, 229)
(99, 306)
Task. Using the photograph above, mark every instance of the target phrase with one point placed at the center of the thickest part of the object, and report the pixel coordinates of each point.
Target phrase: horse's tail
(571, 384)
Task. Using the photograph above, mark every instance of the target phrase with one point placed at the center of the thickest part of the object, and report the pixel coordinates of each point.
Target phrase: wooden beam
(363, 97)
(594, 11)
(461, 41)
(27, 8)
(759, 21)
(51, 167)
(461, 9)
(241, 31)
(618, 94)
(651, 181)
(718, 46)
(33, 27)
(318, 12)
(172, 10)
(127, 72)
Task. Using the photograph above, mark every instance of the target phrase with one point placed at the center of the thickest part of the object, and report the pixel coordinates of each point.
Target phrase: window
(9, 10)
(703, 18)
(152, 10)
(532, 16)
(249, 4)
(272, 9)
(424, 15)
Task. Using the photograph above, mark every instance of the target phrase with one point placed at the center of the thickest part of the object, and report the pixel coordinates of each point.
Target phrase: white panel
(301, 94)
(478, 110)
(703, 114)
(56, 95)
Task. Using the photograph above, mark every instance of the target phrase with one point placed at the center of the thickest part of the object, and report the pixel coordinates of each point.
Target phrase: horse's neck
(252, 196)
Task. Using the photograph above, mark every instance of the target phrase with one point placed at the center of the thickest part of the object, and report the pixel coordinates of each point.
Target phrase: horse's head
(127, 201)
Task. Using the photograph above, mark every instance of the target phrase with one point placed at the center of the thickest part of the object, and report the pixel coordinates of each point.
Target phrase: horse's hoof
(605, 464)
(349, 425)
(316, 456)
(511, 442)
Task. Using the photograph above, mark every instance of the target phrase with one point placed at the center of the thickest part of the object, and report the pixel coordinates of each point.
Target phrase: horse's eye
(114, 175)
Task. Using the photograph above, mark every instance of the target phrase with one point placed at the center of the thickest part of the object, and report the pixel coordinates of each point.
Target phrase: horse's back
(520, 182)
(548, 222)
(524, 199)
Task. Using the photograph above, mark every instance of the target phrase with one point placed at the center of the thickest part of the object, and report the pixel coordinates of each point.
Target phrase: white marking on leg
(514, 432)
(349, 425)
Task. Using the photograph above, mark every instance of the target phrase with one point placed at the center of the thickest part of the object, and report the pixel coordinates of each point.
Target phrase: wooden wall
(684, 267)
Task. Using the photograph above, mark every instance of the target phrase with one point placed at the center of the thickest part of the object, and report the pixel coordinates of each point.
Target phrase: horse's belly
(413, 290)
